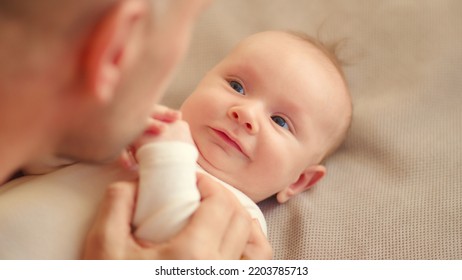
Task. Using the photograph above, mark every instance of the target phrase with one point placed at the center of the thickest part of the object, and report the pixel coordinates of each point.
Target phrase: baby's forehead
(278, 41)
(284, 55)
(277, 49)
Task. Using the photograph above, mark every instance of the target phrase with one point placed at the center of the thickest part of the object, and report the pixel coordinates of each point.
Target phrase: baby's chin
(225, 176)
(215, 170)
(208, 166)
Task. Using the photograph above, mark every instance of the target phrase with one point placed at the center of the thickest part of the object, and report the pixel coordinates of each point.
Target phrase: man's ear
(306, 180)
(111, 46)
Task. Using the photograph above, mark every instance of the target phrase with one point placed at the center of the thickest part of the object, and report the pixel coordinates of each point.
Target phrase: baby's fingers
(165, 114)
(155, 127)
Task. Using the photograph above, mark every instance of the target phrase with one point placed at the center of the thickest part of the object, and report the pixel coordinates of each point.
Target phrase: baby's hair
(331, 52)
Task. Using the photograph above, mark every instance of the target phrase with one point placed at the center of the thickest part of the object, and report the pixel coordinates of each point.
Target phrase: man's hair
(330, 51)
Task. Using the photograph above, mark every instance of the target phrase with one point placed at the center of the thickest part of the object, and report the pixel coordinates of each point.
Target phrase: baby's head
(265, 117)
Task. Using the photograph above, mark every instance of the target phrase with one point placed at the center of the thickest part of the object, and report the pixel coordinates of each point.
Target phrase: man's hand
(110, 236)
(219, 229)
(258, 246)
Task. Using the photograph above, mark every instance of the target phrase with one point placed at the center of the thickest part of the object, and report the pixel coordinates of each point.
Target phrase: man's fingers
(258, 247)
(117, 207)
(203, 236)
(220, 221)
(216, 206)
(112, 223)
(237, 235)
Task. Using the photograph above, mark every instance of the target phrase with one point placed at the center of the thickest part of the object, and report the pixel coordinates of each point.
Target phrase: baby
(266, 116)
(262, 121)
(275, 105)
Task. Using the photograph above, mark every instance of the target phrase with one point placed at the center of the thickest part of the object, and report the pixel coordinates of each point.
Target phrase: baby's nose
(244, 117)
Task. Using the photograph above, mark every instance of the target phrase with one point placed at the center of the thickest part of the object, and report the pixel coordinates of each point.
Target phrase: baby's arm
(167, 192)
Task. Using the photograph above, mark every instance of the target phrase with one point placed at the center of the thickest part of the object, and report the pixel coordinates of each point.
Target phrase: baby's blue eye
(237, 87)
(280, 121)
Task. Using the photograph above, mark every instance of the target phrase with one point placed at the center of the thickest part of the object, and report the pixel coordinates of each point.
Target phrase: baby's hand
(160, 116)
(174, 131)
(165, 114)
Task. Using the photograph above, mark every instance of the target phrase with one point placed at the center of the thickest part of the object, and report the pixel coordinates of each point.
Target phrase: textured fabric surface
(394, 190)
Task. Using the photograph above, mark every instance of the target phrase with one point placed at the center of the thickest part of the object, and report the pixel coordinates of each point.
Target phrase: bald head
(76, 67)
(47, 18)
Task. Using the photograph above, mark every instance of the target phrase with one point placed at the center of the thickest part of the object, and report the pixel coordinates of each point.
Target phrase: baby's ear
(306, 180)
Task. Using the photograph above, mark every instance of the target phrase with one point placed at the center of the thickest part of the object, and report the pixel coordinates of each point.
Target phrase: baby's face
(263, 115)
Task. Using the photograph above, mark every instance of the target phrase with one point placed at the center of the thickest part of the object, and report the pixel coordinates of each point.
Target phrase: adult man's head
(78, 78)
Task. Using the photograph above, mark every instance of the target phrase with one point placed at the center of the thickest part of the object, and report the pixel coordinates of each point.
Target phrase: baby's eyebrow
(298, 114)
(249, 73)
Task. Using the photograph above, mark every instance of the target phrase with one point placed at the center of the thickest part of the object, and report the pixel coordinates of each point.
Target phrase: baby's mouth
(230, 141)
